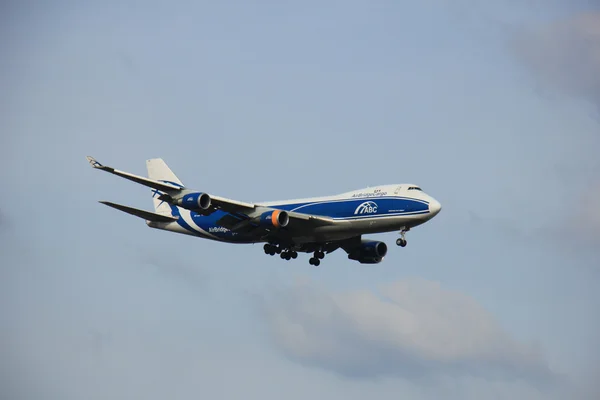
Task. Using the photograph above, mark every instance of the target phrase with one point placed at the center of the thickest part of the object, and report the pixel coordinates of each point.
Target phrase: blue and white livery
(317, 225)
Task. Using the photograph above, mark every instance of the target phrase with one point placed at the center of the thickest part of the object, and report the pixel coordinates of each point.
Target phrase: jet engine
(369, 252)
(194, 201)
(275, 219)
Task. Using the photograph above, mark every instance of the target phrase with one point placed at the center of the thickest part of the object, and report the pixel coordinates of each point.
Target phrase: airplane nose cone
(434, 207)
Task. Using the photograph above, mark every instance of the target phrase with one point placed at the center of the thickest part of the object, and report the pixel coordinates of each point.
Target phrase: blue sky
(492, 107)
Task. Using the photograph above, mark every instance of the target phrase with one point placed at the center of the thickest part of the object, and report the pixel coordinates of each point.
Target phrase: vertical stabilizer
(158, 170)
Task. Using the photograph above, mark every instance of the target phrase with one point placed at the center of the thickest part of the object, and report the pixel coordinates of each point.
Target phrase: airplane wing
(309, 219)
(240, 216)
(163, 186)
(172, 188)
(247, 223)
(233, 206)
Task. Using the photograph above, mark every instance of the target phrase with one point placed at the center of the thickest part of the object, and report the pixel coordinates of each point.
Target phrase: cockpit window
(414, 188)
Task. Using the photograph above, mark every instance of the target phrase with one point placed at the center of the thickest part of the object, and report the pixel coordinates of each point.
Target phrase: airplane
(316, 225)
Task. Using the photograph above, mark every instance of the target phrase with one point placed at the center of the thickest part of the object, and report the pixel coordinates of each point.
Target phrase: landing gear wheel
(401, 242)
(294, 255)
(269, 249)
(314, 261)
(319, 254)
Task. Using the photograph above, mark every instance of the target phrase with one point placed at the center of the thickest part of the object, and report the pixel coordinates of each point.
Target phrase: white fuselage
(370, 210)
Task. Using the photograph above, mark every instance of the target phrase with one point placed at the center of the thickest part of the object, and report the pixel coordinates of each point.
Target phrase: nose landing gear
(402, 239)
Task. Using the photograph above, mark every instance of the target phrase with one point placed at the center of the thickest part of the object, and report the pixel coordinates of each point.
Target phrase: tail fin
(158, 170)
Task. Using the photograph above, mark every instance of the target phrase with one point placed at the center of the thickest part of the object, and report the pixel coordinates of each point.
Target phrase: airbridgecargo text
(218, 229)
(376, 193)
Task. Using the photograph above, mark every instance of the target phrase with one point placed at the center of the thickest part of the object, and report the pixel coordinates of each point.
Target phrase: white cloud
(565, 55)
(414, 329)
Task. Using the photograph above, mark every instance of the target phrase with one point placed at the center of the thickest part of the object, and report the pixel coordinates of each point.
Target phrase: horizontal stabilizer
(148, 216)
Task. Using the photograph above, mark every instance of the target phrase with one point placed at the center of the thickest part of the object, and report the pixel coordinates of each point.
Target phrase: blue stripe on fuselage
(350, 208)
(338, 209)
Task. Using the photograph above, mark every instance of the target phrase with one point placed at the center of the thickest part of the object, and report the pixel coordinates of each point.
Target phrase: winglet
(93, 162)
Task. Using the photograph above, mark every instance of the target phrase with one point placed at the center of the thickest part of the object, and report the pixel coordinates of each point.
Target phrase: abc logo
(368, 207)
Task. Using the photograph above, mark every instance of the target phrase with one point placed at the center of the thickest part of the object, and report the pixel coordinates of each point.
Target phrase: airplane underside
(319, 241)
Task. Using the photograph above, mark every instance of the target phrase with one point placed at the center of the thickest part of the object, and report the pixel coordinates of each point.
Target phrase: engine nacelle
(369, 252)
(275, 219)
(194, 201)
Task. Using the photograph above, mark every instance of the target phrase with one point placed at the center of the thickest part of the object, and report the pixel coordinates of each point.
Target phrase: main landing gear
(402, 239)
(271, 249)
(288, 254)
(285, 254)
(316, 259)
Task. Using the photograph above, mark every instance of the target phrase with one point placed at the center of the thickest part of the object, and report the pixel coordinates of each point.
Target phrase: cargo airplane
(317, 225)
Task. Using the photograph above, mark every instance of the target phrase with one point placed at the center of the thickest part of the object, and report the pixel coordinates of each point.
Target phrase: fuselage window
(414, 188)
